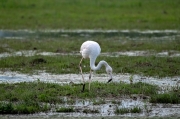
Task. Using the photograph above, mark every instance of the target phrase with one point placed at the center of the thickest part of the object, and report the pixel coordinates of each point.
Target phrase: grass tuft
(173, 98)
(65, 109)
(22, 108)
(127, 110)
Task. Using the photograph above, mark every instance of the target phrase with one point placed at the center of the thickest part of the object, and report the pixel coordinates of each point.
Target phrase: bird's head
(109, 72)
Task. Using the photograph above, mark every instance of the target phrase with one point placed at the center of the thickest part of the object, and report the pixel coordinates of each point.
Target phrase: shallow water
(108, 108)
(28, 53)
(24, 34)
(14, 77)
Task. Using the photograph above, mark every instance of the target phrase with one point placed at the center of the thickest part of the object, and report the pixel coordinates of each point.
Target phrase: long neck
(92, 64)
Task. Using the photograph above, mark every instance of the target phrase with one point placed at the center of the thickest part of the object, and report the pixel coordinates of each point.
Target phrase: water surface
(24, 34)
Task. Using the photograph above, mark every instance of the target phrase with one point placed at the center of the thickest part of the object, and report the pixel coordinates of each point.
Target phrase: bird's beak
(110, 78)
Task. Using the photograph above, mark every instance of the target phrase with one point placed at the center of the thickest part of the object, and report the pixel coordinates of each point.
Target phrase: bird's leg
(82, 74)
(90, 79)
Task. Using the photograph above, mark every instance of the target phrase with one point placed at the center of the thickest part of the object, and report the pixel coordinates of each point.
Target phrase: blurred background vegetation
(90, 14)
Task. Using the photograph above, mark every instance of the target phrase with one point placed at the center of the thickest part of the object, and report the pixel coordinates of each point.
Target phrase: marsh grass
(135, 109)
(32, 97)
(65, 109)
(22, 107)
(72, 44)
(173, 98)
(52, 93)
(149, 66)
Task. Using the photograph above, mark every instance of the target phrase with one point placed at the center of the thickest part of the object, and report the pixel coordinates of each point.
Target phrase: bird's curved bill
(110, 78)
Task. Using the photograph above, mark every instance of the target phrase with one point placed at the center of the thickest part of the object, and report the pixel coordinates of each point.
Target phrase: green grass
(29, 107)
(149, 66)
(127, 110)
(33, 97)
(65, 109)
(108, 44)
(51, 92)
(80, 14)
(173, 98)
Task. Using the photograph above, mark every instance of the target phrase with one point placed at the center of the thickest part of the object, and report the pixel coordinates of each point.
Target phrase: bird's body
(91, 50)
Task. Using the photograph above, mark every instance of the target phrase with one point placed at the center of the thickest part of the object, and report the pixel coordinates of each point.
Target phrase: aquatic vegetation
(22, 107)
(65, 109)
(50, 92)
(32, 97)
(135, 109)
(148, 66)
(72, 44)
(173, 98)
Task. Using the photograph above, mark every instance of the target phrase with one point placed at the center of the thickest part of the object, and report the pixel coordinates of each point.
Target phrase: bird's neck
(92, 64)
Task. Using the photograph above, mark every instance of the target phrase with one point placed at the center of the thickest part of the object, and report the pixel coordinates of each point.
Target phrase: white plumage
(91, 50)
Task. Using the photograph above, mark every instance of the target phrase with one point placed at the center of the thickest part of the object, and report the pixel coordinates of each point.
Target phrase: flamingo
(91, 50)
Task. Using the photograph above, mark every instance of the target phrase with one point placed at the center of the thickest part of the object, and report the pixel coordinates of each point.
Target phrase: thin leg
(90, 79)
(82, 74)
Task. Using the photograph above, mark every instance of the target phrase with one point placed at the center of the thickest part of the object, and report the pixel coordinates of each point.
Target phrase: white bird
(91, 50)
